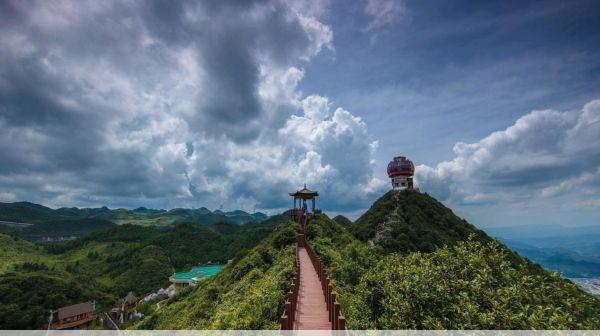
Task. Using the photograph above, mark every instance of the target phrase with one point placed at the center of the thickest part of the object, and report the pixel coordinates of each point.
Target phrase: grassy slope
(15, 251)
(247, 294)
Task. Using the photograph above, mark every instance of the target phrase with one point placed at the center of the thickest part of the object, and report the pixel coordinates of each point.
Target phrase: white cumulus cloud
(544, 153)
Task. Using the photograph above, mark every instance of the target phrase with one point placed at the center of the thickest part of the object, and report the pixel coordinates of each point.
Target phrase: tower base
(402, 182)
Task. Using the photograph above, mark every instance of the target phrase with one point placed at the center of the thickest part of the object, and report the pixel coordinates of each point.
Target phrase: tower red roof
(400, 165)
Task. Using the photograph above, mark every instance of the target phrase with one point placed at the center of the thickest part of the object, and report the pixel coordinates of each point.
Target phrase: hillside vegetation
(75, 221)
(247, 294)
(472, 285)
(462, 280)
(57, 229)
(105, 265)
(407, 263)
(412, 221)
(343, 221)
(14, 250)
(27, 296)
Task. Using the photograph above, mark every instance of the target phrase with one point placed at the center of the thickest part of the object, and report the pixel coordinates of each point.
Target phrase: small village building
(77, 316)
(180, 283)
(129, 307)
(125, 310)
(161, 294)
(194, 276)
(184, 279)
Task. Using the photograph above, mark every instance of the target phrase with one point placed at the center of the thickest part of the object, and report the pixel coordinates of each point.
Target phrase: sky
(234, 104)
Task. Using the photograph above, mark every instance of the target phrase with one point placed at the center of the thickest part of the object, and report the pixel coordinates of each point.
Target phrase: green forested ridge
(472, 285)
(73, 221)
(343, 221)
(408, 263)
(28, 296)
(247, 294)
(25, 212)
(412, 221)
(15, 250)
(106, 264)
(58, 228)
(467, 282)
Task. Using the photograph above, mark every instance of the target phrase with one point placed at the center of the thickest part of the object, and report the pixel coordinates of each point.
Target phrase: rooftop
(130, 298)
(197, 273)
(305, 192)
(74, 310)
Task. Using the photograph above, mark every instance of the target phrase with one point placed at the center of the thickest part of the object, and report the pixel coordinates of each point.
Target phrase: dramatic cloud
(201, 103)
(544, 154)
(171, 104)
(326, 150)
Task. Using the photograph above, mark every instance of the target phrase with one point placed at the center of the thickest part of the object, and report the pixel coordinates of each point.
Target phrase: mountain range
(572, 251)
(408, 263)
(37, 222)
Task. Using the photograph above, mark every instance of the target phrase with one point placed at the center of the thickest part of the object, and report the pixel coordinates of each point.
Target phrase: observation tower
(401, 171)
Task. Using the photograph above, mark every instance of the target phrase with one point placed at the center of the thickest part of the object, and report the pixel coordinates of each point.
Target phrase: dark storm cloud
(10, 13)
(53, 117)
(64, 135)
(232, 39)
(189, 148)
(96, 99)
(230, 101)
(233, 46)
(165, 20)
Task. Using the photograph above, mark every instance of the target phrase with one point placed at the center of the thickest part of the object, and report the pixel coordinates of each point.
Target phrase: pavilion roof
(304, 192)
